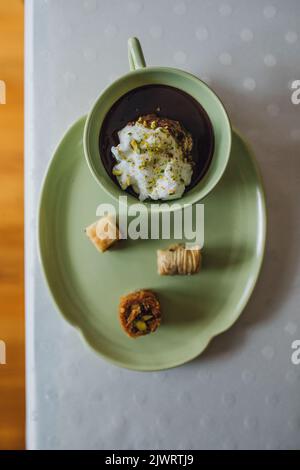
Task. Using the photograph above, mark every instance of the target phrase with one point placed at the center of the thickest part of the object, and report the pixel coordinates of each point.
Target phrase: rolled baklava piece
(103, 233)
(178, 259)
(139, 313)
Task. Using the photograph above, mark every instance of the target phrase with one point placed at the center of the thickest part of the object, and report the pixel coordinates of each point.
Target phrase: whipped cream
(151, 161)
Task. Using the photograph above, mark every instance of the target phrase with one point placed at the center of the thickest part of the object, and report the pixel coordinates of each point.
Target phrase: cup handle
(135, 54)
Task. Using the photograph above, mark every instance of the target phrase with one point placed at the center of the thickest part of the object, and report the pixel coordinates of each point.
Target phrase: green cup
(141, 75)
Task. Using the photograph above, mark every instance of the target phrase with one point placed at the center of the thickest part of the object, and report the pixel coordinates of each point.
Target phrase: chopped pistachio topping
(151, 160)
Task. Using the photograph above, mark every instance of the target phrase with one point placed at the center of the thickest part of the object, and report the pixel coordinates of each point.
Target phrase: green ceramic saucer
(86, 285)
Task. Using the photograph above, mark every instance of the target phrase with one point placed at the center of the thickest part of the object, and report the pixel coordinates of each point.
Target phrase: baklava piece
(103, 233)
(139, 313)
(177, 259)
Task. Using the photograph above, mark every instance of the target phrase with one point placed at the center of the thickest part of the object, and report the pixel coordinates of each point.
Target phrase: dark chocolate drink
(166, 102)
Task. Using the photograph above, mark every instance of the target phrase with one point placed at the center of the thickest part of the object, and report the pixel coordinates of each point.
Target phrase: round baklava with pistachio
(154, 158)
(139, 313)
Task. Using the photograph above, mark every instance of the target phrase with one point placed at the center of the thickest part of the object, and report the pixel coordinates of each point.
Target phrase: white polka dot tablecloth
(243, 392)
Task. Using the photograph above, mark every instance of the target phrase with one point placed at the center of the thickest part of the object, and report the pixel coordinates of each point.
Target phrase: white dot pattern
(34, 415)
(206, 79)
(89, 54)
(207, 422)
(249, 83)
(291, 376)
(201, 33)
(272, 399)
(180, 8)
(273, 110)
(229, 399)
(270, 60)
(69, 77)
(156, 31)
(180, 57)
(135, 6)
(291, 328)
(295, 134)
(90, 5)
(250, 423)
(110, 30)
(229, 444)
(294, 424)
(225, 9)
(268, 352)
(248, 376)
(291, 37)
(269, 11)
(225, 58)
(253, 134)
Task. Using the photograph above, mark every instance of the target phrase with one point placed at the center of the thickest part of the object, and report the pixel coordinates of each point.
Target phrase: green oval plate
(86, 285)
